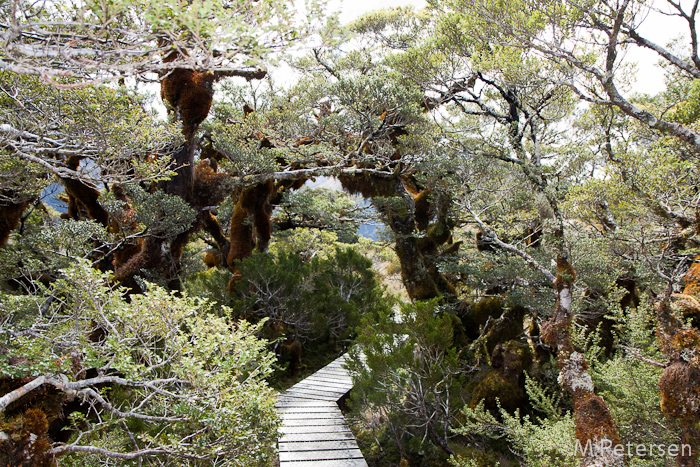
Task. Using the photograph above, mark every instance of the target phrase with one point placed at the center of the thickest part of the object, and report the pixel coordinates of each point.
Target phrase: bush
(317, 300)
(155, 377)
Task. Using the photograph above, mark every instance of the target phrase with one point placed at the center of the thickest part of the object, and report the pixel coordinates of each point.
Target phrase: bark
(183, 166)
(593, 420)
(606, 79)
(418, 269)
(10, 217)
(679, 384)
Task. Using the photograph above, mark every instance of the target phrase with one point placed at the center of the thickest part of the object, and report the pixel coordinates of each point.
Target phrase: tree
(589, 41)
(321, 299)
(377, 125)
(501, 89)
(187, 47)
(96, 41)
(321, 208)
(552, 237)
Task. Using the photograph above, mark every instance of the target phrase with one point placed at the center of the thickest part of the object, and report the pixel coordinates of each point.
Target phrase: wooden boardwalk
(314, 432)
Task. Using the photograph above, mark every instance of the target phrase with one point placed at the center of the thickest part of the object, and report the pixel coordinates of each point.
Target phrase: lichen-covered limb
(512, 248)
(66, 448)
(593, 421)
(595, 426)
(10, 397)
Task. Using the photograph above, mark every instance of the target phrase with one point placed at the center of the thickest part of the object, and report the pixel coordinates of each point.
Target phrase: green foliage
(19, 180)
(406, 367)
(280, 120)
(630, 386)
(317, 300)
(541, 400)
(118, 37)
(469, 99)
(321, 208)
(111, 126)
(48, 245)
(157, 214)
(212, 286)
(306, 242)
(536, 441)
(543, 443)
(684, 96)
(183, 380)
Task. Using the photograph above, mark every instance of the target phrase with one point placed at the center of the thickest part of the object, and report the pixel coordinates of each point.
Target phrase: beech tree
(548, 215)
(505, 115)
(128, 181)
(508, 105)
(93, 42)
(588, 42)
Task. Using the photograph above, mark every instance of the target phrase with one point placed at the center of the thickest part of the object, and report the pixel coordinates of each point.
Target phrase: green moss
(516, 359)
(496, 386)
(509, 326)
(439, 233)
(479, 313)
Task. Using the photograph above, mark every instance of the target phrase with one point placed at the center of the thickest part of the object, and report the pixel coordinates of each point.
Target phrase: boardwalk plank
(295, 430)
(312, 383)
(309, 410)
(347, 382)
(333, 371)
(312, 416)
(318, 445)
(338, 379)
(297, 402)
(297, 405)
(320, 455)
(317, 397)
(312, 389)
(294, 391)
(314, 397)
(344, 383)
(304, 392)
(310, 437)
(333, 376)
(335, 386)
(314, 432)
(315, 422)
(330, 463)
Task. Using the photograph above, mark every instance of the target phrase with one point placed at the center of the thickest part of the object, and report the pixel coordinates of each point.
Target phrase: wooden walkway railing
(314, 432)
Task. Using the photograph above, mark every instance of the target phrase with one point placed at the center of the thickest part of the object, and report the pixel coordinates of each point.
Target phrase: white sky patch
(661, 30)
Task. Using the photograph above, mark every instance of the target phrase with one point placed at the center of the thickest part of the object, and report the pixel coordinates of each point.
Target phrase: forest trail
(314, 432)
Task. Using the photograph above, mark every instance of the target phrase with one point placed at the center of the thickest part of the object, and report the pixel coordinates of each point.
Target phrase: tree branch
(104, 452)
(10, 397)
(510, 247)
